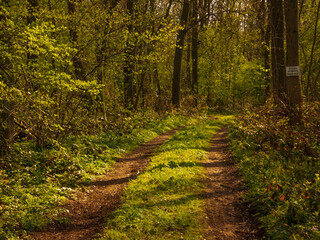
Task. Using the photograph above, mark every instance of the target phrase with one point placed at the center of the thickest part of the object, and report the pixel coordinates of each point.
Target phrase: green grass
(165, 202)
(34, 183)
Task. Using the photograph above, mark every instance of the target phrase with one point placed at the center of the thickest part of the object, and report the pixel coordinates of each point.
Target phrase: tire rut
(88, 210)
(228, 215)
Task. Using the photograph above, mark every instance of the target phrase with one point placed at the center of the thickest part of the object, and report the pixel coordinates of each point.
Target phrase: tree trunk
(7, 127)
(32, 10)
(31, 18)
(277, 51)
(194, 53)
(293, 82)
(178, 55)
(189, 64)
(309, 89)
(114, 3)
(101, 55)
(128, 64)
(77, 62)
(265, 37)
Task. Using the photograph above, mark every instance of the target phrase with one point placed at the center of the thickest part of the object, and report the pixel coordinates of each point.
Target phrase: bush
(280, 163)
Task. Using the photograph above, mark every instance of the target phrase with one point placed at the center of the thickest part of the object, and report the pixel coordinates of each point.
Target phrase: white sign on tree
(293, 71)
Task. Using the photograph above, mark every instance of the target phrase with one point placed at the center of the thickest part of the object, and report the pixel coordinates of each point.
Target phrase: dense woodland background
(70, 67)
(74, 69)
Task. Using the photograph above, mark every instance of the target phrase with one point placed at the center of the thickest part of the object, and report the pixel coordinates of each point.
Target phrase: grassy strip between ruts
(165, 201)
(34, 182)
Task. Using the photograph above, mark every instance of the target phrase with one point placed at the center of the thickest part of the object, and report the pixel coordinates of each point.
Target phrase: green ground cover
(34, 182)
(280, 163)
(165, 202)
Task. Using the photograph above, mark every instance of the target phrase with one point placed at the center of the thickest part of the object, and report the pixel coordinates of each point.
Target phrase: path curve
(88, 212)
(227, 214)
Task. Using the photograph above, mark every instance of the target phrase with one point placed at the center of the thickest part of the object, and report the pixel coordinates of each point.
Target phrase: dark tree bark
(309, 90)
(178, 55)
(77, 61)
(33, 6)
(188, 64)
(101, 53)
(8, 107)
(264, 25)
(7, 128)
(128, 69)
(32, 11)
(114, 3)
(160, 103)
(31, 18)
(292, 58)
(277, 51)
(194, 51)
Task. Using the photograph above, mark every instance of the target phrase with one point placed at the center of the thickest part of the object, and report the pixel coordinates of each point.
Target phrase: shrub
(280, 163)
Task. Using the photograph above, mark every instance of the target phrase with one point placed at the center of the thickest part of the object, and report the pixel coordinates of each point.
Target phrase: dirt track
(227, 214)
(88, 211)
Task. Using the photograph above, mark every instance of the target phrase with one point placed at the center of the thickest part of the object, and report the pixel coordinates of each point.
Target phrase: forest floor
(88, 210)
(228, 216)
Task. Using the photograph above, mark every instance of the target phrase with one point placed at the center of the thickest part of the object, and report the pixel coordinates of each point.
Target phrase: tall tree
(101, 50)
(128, 70)
(292, 56)
(309, 90)
(33, 6)
(32, 11)
(194, 51)
(6, 108)
(263, 16)
(277, 50)
(178, 54)
(77, 61)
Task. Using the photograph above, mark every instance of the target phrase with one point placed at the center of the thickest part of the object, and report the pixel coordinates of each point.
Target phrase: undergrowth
(281, 165)
(34, 182)
(165, 201)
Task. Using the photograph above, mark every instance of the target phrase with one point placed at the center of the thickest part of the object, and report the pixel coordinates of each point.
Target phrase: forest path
(227, 214)
(88, 211)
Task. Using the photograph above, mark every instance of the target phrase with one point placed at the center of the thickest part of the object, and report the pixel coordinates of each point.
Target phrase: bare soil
(88, 210)
(228, 215)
